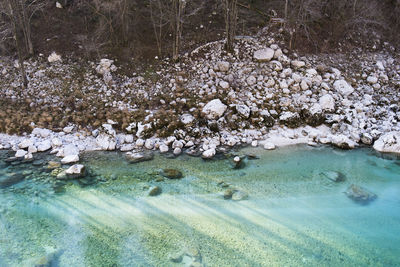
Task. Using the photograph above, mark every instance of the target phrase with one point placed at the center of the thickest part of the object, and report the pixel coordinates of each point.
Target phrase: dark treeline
(146, 28)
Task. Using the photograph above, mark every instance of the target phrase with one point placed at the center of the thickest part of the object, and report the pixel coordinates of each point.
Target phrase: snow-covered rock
(20, 153)
(106, 142)
(243, 110)
(269, 146)
(76, 171)
(187, 118)
(54, 57)
(44, 145)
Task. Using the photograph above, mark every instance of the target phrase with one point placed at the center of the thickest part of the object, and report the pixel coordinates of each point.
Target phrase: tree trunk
(230, 23)
(17, 43)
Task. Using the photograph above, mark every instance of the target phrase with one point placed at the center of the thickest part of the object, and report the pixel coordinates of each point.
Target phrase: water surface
(294, 215)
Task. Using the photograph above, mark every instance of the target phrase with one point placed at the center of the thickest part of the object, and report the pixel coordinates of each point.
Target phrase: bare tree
(231, 12)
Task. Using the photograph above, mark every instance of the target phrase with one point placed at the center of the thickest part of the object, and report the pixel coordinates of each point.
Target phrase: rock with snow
(327, 102)
(224, 84)
(70, 159)
(55, 142)
(105, 66)
(367, 139)
(214, 109)
(264, 55)
(343, 87)
(127, 147)
(388, 143)
(44, 133)
(149, 144)
(290, 119)
(177, 151)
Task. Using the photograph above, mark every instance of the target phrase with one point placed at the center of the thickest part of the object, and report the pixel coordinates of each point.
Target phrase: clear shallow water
(294, 216)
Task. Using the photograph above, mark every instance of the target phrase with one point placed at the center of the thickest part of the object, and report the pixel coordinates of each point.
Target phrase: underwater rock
(51, 165)
(239, 195)
(235, 194)
(139, 156)
(334, 176)
(171, 174)
(252, 156)
(238, 162)
(10, 180)
(38, 162)
(154, 191)
(76, 171)
(360, 194)
(223, 184)
(11, 159)
(47, 260)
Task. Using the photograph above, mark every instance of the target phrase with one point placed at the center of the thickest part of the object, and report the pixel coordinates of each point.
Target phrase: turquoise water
(293, 216)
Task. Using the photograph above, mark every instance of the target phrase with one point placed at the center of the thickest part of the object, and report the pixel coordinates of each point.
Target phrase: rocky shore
(208, 102)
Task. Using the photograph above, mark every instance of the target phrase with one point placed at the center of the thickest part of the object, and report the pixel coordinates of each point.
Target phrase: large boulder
(264, 55)
(343, 87)
(214, 109)
(388, 143)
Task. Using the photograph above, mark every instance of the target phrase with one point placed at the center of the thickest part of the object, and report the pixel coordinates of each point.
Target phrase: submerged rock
(154, 191)
(334, 176)
(360, 194)
(171, 173)
(238, 162)
(76, 171)
(235, 194)
(139, 156)
(10, 180)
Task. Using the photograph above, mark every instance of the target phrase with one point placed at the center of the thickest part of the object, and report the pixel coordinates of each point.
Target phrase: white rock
(25, 143)
(55, 142)
(127, 147)
(223, 66)
(44, 133)
(140, 142)
(224, 84)
(264, 55)
(388, 143)
(164, 148)
(58, 5)
(208, 154)
(70, 149)
(343, 87)
(251, 80)
(367, 139)
(128, 138)
(243, 110)
(327, 102)
(44, 146)
(254, 143)
(76, 171)
(177, 151)
(189, 144)
(68, 129)
(106, 142)
(28, 156)
(187, 118)
(54, 57)
(20, 153)
(214, 109)
(32, 149)
(297, 64)
(372, 79)
(70, 159)
(149, 144)
(343, 141)
(177, 144)
(269, 146)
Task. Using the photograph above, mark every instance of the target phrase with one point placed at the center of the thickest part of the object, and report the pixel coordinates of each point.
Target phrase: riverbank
(260, 95)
